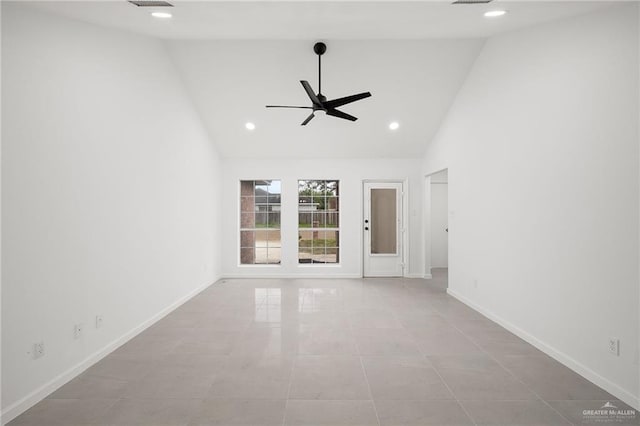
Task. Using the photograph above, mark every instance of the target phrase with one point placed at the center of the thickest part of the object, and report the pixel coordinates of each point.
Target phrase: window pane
(304, 199)
(304, 255)
(261, 238)
(248, 204)
(331, 237)
(332, 219)
(332, 203)
(261, 188)
(304, 219)
(262, 219)
(261, 255)
(332, 188)
(274, 220)
(247, 220)
(318, 248)
(319, 201)
(247, 255)
(247, 239)
(246, 188)
(273, 238)
(383, 221)
(273, 256)
(319, 220)
(318, 241)
(331, 256)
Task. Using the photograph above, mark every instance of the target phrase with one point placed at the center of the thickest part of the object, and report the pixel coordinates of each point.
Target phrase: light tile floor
(324, 352)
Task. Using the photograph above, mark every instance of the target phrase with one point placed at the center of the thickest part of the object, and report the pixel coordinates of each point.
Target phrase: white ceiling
(294, 20)
(236, 56)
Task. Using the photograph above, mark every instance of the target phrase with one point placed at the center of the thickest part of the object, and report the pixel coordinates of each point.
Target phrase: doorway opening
(437, 229)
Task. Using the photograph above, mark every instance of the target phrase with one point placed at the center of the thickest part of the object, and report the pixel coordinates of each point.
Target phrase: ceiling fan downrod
(319, 48)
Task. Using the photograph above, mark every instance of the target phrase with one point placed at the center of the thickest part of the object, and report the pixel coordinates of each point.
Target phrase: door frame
(404, 231)
(426, 224)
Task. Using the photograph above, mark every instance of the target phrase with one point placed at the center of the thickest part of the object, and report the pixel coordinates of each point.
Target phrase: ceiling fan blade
(340, 114)
(309, 118)
(309, 90)
(334, 103)
(288, 106)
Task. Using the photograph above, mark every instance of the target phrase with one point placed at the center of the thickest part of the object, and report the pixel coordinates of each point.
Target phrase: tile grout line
(425, 356)
(512, 375)
(286, 401)
(364, 371)
(455, 397)
(544, 401)
(366, 378)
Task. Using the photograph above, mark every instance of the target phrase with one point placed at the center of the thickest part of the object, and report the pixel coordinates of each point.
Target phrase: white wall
(544, 113)
(109, 195)
(351, 174)
(439, 224)
(1, 421)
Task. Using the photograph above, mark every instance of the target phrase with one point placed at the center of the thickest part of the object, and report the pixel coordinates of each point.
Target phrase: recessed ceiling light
(494, 13)
(161, 15)
(250, 126)
(394, 125)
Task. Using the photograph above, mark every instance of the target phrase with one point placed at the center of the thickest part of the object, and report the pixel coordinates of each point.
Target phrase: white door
(439, 225)
(383, 231)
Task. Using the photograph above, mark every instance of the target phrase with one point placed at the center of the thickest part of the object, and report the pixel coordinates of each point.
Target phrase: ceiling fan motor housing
(320, 48)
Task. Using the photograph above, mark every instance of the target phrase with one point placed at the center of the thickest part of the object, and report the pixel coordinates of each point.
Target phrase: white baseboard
(303, 275)
(414, 276)
(19, 407)
(279, 276)
(619, 392)
(427, 276)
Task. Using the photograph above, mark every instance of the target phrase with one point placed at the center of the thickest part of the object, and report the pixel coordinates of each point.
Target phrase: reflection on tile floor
(325, 352)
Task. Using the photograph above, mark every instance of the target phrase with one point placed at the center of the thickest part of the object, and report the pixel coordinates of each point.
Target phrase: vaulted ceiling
(235, 57)
(412, 82)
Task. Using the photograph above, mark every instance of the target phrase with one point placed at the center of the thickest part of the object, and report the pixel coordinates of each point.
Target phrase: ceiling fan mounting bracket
(319, 48)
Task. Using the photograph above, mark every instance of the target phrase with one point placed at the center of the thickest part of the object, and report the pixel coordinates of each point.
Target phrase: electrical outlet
(77, 331)
(99, 321)
(38, 350)
(614, 346)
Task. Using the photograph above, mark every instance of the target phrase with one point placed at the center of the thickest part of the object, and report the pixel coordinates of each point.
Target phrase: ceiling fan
(319, 102)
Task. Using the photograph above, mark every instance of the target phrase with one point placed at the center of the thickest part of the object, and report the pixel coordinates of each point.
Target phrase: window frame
(240, 228)
(336, 229)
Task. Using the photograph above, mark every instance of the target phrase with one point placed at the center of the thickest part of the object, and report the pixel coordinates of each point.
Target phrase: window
(260, 241)
(318, 221)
